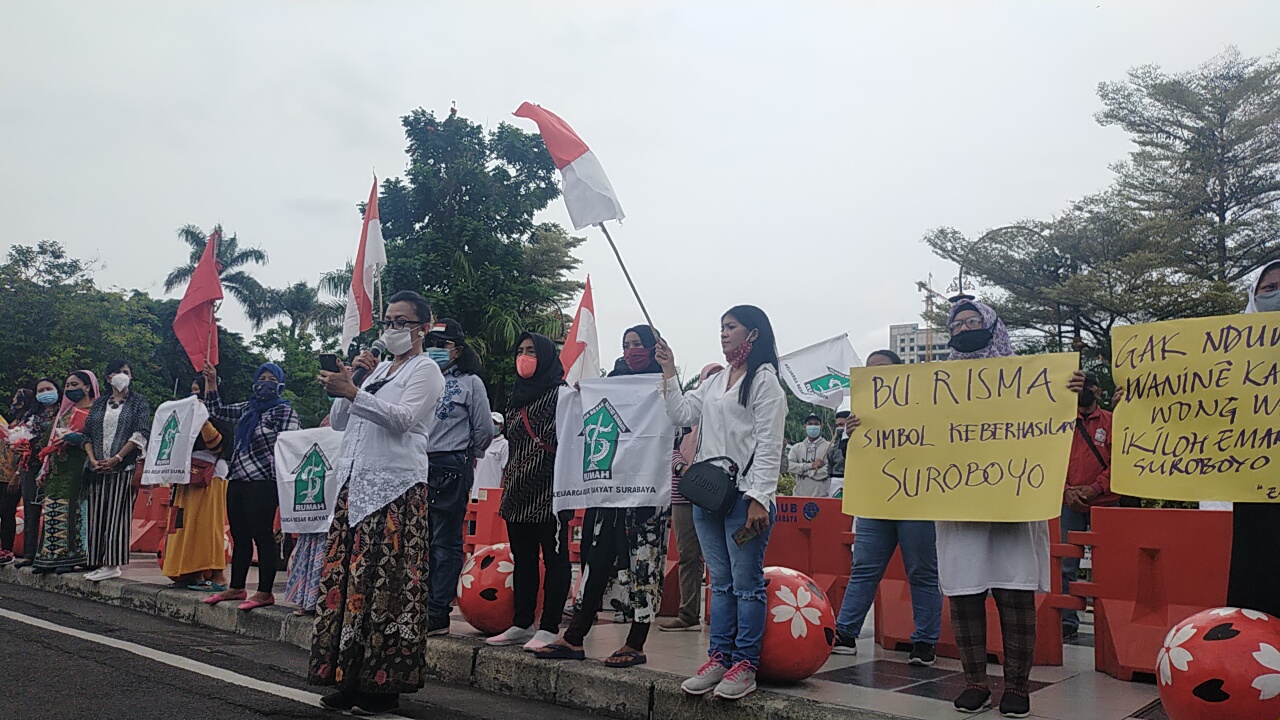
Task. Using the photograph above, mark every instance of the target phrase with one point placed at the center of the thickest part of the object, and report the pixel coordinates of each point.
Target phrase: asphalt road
(98, 661)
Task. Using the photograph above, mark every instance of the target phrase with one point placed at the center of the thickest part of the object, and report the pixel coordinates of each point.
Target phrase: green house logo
(601, 428)
(833, 381)
(308, 480)
(168, 438)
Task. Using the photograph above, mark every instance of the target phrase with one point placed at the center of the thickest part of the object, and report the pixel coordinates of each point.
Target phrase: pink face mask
(526, 366)
(637, 359)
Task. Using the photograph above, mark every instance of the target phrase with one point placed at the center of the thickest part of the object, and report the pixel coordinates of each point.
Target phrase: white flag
(615, 445)
(174, 431)
(819, 374)
(306, 478)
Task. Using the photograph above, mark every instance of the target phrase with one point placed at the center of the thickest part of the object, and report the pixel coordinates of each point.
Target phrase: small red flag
(195, 325)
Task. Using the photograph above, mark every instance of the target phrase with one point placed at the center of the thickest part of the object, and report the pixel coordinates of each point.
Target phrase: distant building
(911, 342)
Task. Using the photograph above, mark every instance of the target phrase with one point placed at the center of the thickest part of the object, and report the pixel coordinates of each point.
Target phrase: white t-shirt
(489, 469)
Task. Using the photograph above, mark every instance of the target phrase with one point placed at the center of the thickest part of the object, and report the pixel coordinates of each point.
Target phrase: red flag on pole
(195, 325)
(371, 256)
(581, 354)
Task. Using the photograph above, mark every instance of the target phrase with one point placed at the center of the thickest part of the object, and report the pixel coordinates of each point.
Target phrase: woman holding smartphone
(742, 412)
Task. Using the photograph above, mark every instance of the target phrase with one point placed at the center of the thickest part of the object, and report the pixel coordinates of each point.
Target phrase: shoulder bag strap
(528, 427)
(1089, 441)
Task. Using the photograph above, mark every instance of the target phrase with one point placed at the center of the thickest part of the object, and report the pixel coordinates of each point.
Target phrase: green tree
(459, 229)
(232, 261)
(1206, 170)
(306, 311)
(295, 353)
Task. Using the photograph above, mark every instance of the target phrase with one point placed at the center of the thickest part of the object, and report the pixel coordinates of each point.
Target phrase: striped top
(529, 476)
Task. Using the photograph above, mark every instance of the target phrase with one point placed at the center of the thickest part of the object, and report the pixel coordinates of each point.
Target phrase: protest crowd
(376, 499)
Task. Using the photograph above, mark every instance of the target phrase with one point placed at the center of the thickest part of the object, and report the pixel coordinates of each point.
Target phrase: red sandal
(215, 599)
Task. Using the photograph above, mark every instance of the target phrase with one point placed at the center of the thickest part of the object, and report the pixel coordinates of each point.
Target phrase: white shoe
(94, 575)
(512, 636)
(108, 574)
(541, 639)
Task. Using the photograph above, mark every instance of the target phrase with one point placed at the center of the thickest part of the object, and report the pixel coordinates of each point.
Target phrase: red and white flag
(195, 325)
(587, 191)
(370, 256)
(581, 353)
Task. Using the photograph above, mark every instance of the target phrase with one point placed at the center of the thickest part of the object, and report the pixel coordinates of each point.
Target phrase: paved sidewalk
(875, 685)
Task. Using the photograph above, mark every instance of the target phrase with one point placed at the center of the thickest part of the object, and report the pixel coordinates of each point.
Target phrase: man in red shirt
(1088, 483)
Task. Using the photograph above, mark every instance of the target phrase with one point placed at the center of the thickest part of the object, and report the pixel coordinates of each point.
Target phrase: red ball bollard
(799, 630)
(485, 595)
(1221, 663)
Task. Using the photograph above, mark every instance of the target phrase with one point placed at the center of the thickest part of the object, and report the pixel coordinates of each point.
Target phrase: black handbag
(711, 486)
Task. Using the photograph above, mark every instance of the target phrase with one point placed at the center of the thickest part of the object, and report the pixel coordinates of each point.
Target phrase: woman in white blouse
(371, 621)
(742, 411)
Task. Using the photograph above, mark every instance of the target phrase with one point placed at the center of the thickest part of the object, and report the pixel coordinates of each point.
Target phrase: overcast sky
(786, 154)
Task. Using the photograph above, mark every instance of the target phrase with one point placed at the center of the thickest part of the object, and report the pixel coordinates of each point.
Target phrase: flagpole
(213, 306)
(627, 274)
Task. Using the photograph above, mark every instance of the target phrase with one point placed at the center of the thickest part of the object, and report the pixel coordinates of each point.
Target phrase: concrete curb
(631, 694)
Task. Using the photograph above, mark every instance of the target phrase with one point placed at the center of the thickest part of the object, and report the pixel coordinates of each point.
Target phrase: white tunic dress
(974, 557)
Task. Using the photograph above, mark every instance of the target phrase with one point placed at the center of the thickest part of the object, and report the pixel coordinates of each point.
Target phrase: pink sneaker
(707, 677)
(738, 683)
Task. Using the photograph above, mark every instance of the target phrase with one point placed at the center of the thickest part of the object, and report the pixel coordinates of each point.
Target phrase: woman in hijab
(251, 476)
(532, 527)
(39, 427)
(1009, 560)
(623, 545)
(118, 427)
(21, 407)
(1253, 581)
(63, 462)
(195, 556)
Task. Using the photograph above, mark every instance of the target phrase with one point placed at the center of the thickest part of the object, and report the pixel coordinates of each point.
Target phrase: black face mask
(1087, 397)
(971, 340)
(75, 395)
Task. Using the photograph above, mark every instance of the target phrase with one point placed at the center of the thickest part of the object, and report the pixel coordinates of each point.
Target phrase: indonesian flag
(194, 324)
(371, 255)
(587, 191)
(581, 353)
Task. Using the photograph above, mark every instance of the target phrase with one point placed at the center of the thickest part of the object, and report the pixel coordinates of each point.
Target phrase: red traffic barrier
(150, 519)
(813, 536)
(1151, 569)
(894, 622)
(483, 527)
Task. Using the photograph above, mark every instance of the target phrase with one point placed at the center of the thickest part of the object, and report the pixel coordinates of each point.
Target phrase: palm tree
(301, 304)
(231, 259)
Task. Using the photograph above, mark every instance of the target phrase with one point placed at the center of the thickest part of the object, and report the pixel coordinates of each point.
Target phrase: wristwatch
(680, 467)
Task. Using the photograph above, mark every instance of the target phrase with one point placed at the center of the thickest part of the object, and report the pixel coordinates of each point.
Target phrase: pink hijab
(67, 406)
(689, 445)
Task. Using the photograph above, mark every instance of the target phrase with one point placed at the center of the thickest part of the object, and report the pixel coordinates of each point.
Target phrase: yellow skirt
(200, 544)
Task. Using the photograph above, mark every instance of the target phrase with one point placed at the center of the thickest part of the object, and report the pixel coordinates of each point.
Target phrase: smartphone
(329, 363)
(743, 535)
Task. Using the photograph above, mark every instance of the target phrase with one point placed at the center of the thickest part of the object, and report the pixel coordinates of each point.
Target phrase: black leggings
(602, 566)
(552, 540)
(251, 511)
(9, 501)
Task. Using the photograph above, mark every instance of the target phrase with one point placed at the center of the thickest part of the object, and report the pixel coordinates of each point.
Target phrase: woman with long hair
(195, 554)
(20, 407)
(39, 427)
(742, 412)
(117, 429)
(63, 463)
(532, 527)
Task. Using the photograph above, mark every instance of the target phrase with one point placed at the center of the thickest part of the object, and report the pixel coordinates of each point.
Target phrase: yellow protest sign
(1200, 415)
(965, 440)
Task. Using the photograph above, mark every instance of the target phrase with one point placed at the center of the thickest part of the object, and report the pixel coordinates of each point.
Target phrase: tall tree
(1206, 170)
(232, 261)
(302, 305)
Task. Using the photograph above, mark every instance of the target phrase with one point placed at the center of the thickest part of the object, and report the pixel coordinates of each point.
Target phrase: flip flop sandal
(625, 659)
(556, 651)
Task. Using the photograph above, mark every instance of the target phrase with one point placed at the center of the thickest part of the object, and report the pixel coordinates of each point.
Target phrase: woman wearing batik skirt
(371, 621)
(63, 463)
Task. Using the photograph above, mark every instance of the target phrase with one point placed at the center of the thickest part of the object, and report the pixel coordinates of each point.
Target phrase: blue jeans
(873, 545)
(1077, 521)
(448, 490)
(739, 604)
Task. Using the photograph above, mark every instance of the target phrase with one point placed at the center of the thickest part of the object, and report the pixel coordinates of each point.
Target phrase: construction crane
(930, 297)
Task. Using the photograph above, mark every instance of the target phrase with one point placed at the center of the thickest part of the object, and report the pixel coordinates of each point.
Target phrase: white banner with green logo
(614, 445)
(819, 374)
(307, 479)
(174, 431)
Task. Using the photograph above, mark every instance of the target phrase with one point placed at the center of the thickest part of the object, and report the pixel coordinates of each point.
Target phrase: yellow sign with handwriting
(966, 440)
(1200, 415)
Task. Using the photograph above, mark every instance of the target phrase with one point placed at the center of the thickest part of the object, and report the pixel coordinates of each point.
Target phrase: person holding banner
(195, 555)
(117, 430)
(251, 480)
(460, 430)
(63, 463)
(874, 541)
(528, 482)
(626, 545)
(371, 621)
(1253, 581)
(742, 412)
(39, 427)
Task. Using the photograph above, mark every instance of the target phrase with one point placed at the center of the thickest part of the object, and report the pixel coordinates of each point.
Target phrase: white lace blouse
(385, 438)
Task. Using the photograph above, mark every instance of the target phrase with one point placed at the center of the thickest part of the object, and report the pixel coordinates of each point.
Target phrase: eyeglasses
(399, 323)
(973, 323)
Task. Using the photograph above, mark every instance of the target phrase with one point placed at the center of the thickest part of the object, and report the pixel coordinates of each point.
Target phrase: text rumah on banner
(1200, 415)
(967, 440)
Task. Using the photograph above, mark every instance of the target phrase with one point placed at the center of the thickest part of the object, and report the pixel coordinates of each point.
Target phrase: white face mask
(120, 382)
(398, 342)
